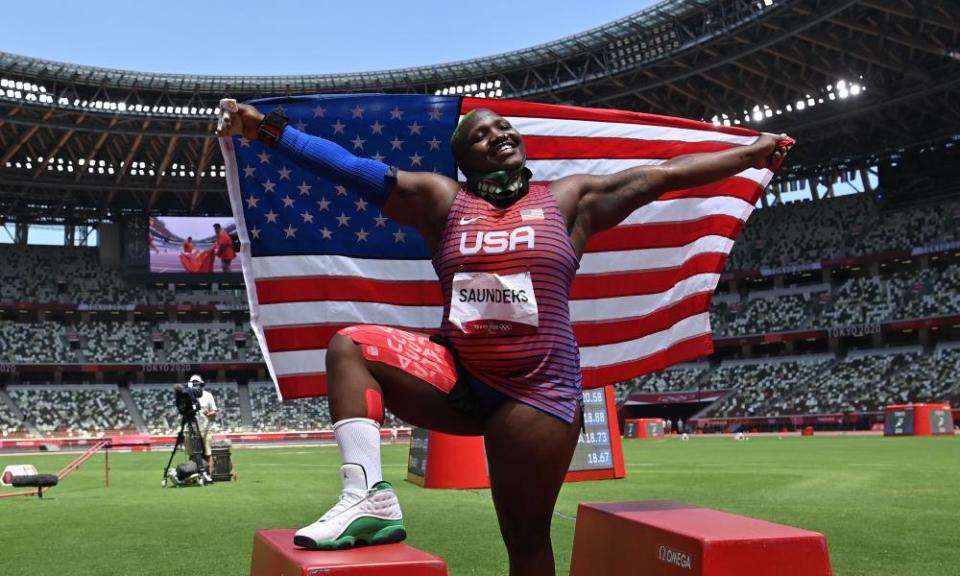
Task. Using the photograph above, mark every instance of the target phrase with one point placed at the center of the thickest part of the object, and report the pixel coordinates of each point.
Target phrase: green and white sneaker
(361, 516)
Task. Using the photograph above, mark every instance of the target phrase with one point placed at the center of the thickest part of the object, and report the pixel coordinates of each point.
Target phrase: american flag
(316, 257)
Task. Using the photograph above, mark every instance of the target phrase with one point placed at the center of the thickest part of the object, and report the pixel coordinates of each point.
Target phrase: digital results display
(594, 450)
(192, 245)
(941, 421)
(899, 423)
(417, 460)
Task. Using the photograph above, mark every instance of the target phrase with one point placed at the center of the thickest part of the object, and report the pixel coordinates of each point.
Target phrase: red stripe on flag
(613, 331)
(559, 112)
(633, 283)
(302, 385)
(736, 186)
(664, 235)
(348, 288)
(679, 352)
(312, 336)
(568, 147)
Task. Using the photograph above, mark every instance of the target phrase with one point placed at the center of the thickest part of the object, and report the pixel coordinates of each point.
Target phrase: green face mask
(501, 186)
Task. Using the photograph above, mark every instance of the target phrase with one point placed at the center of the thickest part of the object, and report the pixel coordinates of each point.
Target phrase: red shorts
(413, 353)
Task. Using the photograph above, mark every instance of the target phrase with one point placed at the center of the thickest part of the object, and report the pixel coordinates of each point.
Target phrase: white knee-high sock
(359, 442)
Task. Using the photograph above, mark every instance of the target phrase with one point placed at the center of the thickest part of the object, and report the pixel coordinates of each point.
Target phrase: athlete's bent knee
(340, 347)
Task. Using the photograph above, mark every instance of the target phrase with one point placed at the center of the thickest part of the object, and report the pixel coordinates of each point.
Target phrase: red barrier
(644, 427)
(918, 420)
(672, 539)
(448, 461)
(275, 555)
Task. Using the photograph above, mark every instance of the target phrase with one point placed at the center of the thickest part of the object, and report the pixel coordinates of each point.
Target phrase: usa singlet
(506, 276)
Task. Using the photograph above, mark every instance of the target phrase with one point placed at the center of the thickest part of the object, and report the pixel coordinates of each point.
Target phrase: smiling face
(487, 142)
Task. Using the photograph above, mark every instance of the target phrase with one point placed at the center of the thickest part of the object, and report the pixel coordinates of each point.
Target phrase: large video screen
(193, 245)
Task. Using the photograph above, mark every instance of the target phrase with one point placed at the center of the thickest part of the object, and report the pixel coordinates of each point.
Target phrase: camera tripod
(196, 445)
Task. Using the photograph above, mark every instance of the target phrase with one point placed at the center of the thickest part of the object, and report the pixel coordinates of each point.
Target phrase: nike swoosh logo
(465, 221)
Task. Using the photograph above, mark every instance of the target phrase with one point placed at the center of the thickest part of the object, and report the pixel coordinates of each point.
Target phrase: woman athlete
(506, 365)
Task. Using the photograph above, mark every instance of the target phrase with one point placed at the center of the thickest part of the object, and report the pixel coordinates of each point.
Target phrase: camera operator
(206, 416)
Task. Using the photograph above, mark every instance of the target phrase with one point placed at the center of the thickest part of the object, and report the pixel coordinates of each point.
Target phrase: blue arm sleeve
(370, 179)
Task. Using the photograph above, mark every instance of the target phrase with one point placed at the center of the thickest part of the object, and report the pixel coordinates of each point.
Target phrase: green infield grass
(888, 506)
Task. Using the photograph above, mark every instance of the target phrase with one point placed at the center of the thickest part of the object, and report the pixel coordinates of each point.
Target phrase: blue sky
(290, 36)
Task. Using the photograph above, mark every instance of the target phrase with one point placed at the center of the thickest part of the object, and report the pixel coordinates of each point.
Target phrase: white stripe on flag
(324, 265)
(346, 312)
(681, 210)
(300, 362)
(550, 170)
(621, 307)
(594, 129)
(690, 327)
(651, 258)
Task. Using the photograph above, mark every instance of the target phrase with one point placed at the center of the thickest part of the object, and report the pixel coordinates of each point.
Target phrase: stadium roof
(853, 80)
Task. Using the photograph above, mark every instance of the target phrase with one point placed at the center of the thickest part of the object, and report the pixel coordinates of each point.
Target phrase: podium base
(660, 537)
(274, 554)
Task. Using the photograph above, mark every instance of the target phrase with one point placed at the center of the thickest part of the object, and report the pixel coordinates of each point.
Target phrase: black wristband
(271, 127)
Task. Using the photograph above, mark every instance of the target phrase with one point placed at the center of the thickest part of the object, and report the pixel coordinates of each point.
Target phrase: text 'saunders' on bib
(486, 303)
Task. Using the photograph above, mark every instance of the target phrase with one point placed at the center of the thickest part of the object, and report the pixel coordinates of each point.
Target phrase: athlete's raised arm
(595, 203)
(417, 199)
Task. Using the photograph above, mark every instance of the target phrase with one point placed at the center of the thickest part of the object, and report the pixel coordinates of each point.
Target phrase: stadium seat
(661, 537)
(274, 555)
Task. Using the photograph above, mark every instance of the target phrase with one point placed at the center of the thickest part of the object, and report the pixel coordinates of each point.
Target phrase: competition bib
(486, 303)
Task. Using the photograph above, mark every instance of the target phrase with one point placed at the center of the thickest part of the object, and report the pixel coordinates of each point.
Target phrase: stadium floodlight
(856, 89)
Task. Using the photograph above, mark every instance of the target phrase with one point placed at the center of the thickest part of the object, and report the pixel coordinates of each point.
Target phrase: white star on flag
(268, 185)
(361, 204)
(357, 112)
(304, 188)
(358, 142)
(399, 236)
(343, 220)
(255, 233)
(362, 235)
(434, 143)
(396, 113)
(381, 221)
(324, 204)
(284, 173)
(319, 112)
(290, 231)
(338, 127)
(264, 157)
(435, 114)
(341, 190)
(415, 128)
(307, 217)
(396, 144)
(271, 217)
(416, 159)
(327, 233)
(376, 128)
(300, 125)
(249, 171)
(287, 202)
(252, 201)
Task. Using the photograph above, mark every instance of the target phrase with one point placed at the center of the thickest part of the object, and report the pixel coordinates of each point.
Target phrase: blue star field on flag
(290, 211)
